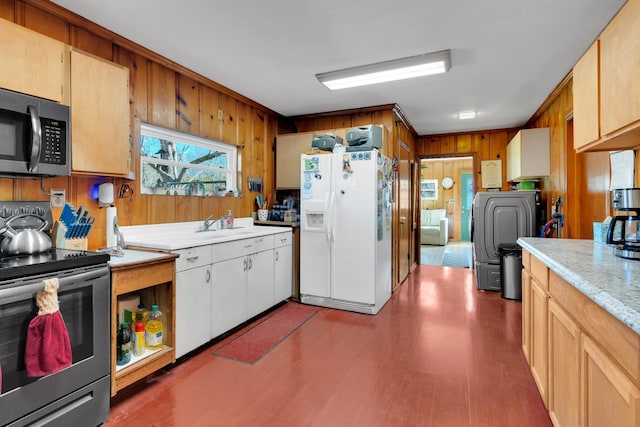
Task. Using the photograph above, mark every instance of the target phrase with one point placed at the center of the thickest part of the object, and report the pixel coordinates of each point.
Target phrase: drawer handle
(193, 258)
(283, 240)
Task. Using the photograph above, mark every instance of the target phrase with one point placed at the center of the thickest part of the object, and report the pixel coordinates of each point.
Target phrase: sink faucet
(208, 224)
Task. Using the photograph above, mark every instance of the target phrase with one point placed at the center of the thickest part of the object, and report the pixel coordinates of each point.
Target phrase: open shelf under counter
(151, 275)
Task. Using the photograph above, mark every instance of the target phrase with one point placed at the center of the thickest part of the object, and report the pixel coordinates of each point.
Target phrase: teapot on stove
(25, 241)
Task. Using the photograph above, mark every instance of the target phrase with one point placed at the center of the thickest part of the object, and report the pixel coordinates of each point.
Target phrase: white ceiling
(506, 55)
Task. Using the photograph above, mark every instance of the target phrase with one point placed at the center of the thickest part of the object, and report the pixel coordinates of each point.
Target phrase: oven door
(84, 296)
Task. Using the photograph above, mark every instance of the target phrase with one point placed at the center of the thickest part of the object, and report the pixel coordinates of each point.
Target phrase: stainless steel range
(78, 394)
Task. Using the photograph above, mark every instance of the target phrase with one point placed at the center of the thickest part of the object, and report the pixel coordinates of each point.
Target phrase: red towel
(48, 347)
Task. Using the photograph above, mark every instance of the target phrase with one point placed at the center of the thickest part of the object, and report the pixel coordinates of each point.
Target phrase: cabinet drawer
(540, 272)
(283, 239)
(238, 248)
(193, 257)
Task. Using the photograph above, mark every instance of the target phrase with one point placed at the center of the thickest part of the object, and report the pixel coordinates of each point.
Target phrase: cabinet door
(259, 282)
(100, 118)
(526, 314)
(229, 295)
(586, 105)
(620, 70)
(564, 367)
(609, 396)
(193, 309)
(283, 273)
(539, 335)
(33, 63)
(288, 150)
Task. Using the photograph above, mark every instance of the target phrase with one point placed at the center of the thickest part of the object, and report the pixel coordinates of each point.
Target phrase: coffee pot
(624, 230)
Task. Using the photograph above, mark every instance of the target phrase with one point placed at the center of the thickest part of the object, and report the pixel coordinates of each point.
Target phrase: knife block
(59, 241)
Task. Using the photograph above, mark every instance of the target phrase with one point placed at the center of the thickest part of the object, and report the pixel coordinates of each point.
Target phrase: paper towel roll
(112, 239)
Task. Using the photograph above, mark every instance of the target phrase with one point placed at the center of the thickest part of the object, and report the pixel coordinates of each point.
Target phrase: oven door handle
(36, 138)
(20, 292)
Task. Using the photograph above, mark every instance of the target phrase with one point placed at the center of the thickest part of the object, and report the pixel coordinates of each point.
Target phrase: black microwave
(34, 136)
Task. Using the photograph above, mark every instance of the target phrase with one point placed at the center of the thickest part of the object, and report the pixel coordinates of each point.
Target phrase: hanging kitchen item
(25, 241)
(48, 348)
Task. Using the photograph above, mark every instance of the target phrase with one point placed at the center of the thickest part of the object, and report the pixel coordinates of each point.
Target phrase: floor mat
(459, 255)
(256, 342)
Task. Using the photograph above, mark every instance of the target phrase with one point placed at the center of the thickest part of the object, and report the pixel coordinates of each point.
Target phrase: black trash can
(510, 270)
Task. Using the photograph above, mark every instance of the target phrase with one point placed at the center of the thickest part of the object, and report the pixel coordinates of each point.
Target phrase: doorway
(446, 189)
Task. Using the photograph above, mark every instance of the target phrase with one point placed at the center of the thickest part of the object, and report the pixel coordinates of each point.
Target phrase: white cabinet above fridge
(528, 155)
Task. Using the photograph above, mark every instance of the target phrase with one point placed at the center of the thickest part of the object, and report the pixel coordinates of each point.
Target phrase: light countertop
(591, 267)
(135, 257)
(181, 235)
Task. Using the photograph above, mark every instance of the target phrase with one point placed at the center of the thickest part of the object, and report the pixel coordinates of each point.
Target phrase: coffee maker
(624, 230)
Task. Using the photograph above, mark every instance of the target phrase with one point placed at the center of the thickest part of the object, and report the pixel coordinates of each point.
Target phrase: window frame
(155, 131)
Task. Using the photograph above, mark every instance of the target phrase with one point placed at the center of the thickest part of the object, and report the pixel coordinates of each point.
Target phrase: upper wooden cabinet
(528, 155)
(289, 147)
(586, 98)
(33, 63)
(608, 78)
(100, 116)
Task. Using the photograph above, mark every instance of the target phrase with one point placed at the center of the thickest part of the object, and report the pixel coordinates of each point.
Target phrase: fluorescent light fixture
(464, 115)
(380, 72)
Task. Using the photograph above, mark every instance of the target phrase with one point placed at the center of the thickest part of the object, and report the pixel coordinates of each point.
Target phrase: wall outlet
(57, 198)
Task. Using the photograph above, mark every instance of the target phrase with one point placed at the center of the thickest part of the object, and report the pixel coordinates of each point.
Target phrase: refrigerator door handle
(329, 214)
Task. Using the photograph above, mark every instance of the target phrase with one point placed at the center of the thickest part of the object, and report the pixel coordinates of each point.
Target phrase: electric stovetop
(48, 262)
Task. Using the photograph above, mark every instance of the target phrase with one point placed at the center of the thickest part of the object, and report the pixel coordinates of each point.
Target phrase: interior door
(404, 210)
(466, 189)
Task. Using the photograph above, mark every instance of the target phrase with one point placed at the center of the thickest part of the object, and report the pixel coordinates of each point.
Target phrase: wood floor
(440, 353)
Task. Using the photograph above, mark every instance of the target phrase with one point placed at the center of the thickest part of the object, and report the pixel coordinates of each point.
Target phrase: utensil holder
(59, 241)
(263, 214)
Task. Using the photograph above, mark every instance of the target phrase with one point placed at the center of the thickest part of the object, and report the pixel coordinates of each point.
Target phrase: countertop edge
(604, 299)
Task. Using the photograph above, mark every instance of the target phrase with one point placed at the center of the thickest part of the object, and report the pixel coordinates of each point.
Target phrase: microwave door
(36, 138)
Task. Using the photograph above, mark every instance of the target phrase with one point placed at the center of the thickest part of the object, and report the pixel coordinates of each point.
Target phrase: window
(176, 163)
(429, 189)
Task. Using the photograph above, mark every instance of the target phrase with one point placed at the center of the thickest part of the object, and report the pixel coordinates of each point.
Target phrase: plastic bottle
(138, 339)
(154, 329)
(230, 219)
(123, 345)
(141, 314)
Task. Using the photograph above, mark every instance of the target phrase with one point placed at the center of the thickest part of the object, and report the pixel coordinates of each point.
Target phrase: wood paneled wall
(162, 93)
(483, 145)
(449, 199)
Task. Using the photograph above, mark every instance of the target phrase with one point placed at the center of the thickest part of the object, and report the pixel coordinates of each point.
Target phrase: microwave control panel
(54, 139)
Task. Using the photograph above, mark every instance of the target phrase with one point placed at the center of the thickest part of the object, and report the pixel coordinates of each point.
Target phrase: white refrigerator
(345, 230)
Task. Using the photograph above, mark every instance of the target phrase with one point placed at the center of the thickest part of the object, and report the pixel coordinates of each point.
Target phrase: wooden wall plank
(209, 123)
(138, 81)
(91, 43)
(162, 96)
(7, 10)
(45, 23)
(188, 105)
(227, 126)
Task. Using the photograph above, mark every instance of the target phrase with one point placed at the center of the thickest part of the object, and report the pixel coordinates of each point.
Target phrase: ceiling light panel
(397, 69)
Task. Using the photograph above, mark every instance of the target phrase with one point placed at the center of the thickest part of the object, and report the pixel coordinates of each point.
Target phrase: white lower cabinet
(222, 285)
(193, 299)
(193, 309)
(259, 282)
(282, 267)
(229, 296)
(242, 281)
